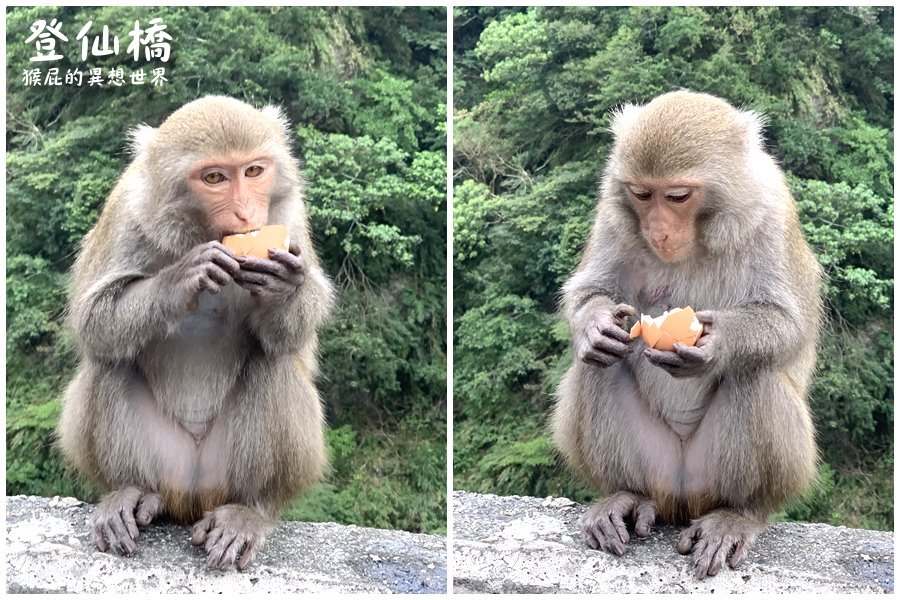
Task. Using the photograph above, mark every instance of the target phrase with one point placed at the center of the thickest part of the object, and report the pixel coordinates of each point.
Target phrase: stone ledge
(532, 545)
(48, 550)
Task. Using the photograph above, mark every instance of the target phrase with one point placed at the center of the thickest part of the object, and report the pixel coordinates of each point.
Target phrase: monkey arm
(119, 313)
(758, 334)
(287, 325)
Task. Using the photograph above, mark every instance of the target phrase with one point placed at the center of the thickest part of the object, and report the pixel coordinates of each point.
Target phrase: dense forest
(365, 90)
(533, 92)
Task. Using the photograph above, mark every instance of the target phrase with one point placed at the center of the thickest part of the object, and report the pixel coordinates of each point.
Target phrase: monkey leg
(116, 521)
(603, 526)
(606, 432)
(230, 530)
(715, 537)
(269, 443)
(753, 451)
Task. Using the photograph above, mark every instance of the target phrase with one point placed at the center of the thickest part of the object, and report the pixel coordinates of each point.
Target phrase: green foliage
(365, 89)
(535, 88)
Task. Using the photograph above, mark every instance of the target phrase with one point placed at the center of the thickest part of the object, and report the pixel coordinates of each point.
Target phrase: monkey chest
(192, 370)
(679, 404)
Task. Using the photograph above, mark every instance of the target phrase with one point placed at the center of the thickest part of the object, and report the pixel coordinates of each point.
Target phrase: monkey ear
(275, 113)
(751, 124)
(623, 118)
(140, 138)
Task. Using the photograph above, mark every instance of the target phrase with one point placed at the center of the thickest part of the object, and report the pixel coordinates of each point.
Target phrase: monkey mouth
(239, 232)
(673, 252)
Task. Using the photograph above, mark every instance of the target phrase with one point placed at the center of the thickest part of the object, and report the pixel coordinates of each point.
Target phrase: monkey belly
(188, 471)
(629, 445)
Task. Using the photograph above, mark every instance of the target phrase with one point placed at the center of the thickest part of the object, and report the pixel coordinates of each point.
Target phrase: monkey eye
(640, 193)
(254, 171)
(679, 197)
(213, 177)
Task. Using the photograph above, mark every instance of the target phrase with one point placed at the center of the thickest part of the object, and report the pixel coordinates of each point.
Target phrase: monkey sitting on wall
(194, 394)
(693, 212)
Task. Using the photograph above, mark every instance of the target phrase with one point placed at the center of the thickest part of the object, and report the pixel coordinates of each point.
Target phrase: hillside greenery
(365, 91)
(534, 89)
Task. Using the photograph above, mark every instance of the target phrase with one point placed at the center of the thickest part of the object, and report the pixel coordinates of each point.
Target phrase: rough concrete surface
(48, 550)
(533, 545)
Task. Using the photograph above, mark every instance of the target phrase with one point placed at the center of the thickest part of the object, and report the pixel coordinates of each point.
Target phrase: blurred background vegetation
(533, 92)
(365, 89)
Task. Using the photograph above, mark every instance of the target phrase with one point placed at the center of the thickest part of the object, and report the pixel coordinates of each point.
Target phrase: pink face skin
(235, 190)
(667, 211)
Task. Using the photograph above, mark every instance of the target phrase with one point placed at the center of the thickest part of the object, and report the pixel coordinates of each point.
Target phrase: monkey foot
(603, 526)
(228, 531)
(116, 521)
(716, 536)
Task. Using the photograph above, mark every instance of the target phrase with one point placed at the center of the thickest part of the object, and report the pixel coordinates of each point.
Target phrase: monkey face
(667, 212)
(234, 191)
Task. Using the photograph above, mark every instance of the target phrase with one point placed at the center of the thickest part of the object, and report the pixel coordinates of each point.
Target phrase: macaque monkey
(692, 212)
(194, 395)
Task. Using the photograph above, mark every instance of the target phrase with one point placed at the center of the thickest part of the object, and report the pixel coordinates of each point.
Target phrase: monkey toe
(248, 555)
(150, 506)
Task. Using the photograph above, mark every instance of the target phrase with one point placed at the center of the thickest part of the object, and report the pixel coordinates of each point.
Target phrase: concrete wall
(501, 545)
(49, 550)
(533, 545)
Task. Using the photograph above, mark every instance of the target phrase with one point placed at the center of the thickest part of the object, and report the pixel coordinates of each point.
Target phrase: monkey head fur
(704, 138)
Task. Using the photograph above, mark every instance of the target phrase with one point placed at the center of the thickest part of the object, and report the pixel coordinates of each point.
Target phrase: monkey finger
(662, 358)
(254, 289)
(623, 310)
(213, 539)
(599, 359)
(706, 316)
(615, 332)
(254, 277)
(109, 537)
(272, 267)
(291, 261)
(691, 353)
(229, 263)
(218, 274)
(601, 343)
(122, 539)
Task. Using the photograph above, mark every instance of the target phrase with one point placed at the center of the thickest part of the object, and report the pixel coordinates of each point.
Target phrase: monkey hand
(275, 278)
(688, 361)
(230, 530)
(205, 268)
(716, 536)
(116, 520)
(603, 526)
(604, 341)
